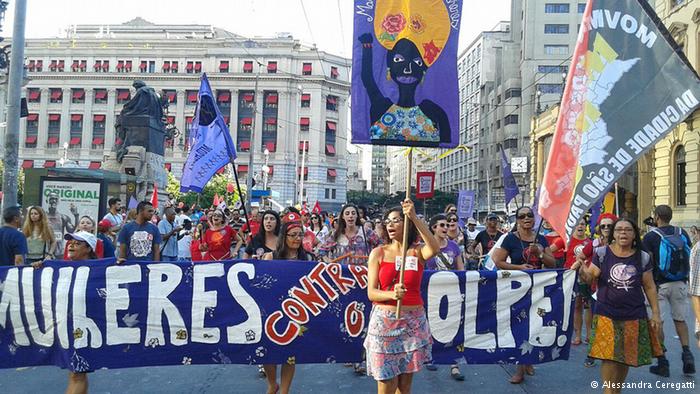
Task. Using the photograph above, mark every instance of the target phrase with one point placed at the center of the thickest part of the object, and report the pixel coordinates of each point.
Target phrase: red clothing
(308, 241)
(254, 228)
(389, 276)
(577, 246)
(219, 243)
(555, 240)
(99, 250)
(195, 252)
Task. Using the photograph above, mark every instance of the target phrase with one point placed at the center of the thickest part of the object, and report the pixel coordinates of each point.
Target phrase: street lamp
(539, 104)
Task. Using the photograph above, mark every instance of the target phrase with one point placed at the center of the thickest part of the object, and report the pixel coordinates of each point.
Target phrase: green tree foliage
(217, 185)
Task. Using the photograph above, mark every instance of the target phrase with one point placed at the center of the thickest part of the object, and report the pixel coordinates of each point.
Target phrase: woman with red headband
(289, 247)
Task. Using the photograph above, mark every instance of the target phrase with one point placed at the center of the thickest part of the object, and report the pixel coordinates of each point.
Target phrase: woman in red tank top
(397, 348)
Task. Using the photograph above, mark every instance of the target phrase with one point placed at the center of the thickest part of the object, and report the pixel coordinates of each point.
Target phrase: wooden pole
(617, 202)
(240, 197)
(404, 242)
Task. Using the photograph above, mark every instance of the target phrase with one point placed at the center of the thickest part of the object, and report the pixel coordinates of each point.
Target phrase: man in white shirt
(114, 216)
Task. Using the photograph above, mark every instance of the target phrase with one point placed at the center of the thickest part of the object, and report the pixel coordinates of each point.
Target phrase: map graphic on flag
(628, 86)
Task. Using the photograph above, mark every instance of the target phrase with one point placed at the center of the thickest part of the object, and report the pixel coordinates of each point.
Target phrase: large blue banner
(91, 315)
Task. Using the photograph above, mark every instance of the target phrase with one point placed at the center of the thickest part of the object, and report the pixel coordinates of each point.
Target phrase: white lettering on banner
(204, 301)
(83, 326)
(10, 301)
(473, 340)
(444, 285)
(366, 10)
(65, 275)
(593, 184)
(507, 297)
(118, 300)
(163, 279)
(45, 337)
(568, 282)
(541, 335)
(237, 333)
(599, 19)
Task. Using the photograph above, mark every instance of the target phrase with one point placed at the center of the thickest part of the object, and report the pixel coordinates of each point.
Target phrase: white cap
(471, 221)
(83, 236)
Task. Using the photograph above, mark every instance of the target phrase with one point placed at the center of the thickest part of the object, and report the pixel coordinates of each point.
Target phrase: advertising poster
(66, 201)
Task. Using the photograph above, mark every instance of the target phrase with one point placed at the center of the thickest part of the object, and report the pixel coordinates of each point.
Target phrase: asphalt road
(568, 376)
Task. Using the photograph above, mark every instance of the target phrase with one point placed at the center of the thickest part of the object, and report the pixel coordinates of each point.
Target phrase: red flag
(317, 208)
(230, 188)
(216, 200)
(154, 197)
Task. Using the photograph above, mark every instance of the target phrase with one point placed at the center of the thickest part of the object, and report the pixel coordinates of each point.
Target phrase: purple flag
(132, 203)
(510, 186)
(212, 146)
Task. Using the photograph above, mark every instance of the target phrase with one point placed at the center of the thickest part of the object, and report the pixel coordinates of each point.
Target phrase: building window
(556, 28)
(581, 8)
(305, 100)
(327, 194)
(556, 8)
(271, 67)
(675, 3)
(330, 138)
(498, 124)
(546, 69)
(511, 143)
(33, 95)
(304, 124)
(334, 73)
(550, 88)
(32, 131)
(511, 119)
(54, 130)
(174, 67)
(192, 97)
(332, 194)
(56, 95)
(223, 66)
(331, 175)
(123, 95)
(248, 67)
(680, 175)
(512, 92)
(556, 49)
(306, 69)
(306, 173)
(100, 96)
(170, 95)
(332, 103)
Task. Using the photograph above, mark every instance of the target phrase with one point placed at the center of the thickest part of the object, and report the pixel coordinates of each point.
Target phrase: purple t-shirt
(445, 260)
(620, 289)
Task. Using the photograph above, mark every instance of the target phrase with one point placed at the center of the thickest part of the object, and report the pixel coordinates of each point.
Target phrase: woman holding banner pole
(527, 250)
(623, 333)
(398, 347)
(289, 247)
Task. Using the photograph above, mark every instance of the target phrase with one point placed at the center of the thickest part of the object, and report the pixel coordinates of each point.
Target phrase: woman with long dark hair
(265, 241)
(350, 242)
(623, 334)
(393, 359)
(289, 247)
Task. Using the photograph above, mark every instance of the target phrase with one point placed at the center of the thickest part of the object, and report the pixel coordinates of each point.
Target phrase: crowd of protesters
(628, 283)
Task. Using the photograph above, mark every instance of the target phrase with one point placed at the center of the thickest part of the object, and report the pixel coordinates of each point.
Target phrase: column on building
(65, 117)
(341, 151)
(110, 118)
(43, 119)
(87, 121)
(180, 124)
(286, 146)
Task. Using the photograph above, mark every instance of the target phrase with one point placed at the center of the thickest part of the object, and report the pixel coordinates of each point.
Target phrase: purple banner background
(439, 84)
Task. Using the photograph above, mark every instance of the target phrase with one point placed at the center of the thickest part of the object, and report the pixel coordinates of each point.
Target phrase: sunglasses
(454, 220)
(526, 215)
(440, 225)
(606, 226)
(394, 220)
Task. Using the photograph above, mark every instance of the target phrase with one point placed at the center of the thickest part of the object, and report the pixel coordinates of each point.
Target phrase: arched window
(680, 175)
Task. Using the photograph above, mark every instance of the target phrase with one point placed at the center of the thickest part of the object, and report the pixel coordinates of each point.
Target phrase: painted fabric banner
(90, 315)
(628, 86)
(404, 74)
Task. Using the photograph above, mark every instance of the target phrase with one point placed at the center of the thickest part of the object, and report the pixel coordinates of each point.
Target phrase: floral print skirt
(630, 342)
(397, 346)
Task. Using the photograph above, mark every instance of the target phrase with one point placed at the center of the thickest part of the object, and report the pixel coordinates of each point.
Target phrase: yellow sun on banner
(426, 23)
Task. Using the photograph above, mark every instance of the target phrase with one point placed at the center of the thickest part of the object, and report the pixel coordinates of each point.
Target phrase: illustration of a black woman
(414, 36)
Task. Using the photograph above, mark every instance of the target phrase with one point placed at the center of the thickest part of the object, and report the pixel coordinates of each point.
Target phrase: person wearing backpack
(670, 247)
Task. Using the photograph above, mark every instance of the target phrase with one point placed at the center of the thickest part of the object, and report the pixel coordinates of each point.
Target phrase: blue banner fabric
(211, 146)
(83, 316)
(510, 186)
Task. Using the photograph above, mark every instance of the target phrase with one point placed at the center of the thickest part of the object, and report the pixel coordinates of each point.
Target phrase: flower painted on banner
(388, 119)
(250, 335)
(181, 334)
(460, 348)
(302, 330)
(260, 351)
(77, 333)
(541, 312)
(525, 348)
(394, 23)
(431, 51)
(417, 24)
(186, 361)
(555, 353)
(153, 343)
(292, 360)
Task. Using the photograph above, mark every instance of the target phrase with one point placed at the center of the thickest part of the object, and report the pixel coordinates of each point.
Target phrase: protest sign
(425, 184)
(89, 315)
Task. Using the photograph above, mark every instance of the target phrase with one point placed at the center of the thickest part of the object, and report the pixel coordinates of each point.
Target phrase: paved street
(569, 376)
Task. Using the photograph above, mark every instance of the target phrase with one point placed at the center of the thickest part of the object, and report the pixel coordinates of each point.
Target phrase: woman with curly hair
(40, 238)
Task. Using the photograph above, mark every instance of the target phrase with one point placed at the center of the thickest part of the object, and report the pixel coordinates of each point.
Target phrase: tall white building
(79, 84)
(423, 160)
(476, 69)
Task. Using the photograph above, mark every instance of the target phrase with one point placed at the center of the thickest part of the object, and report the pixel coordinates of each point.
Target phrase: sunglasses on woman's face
(394, 220)
(526, 215)
(440, 225)
(606, 226)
